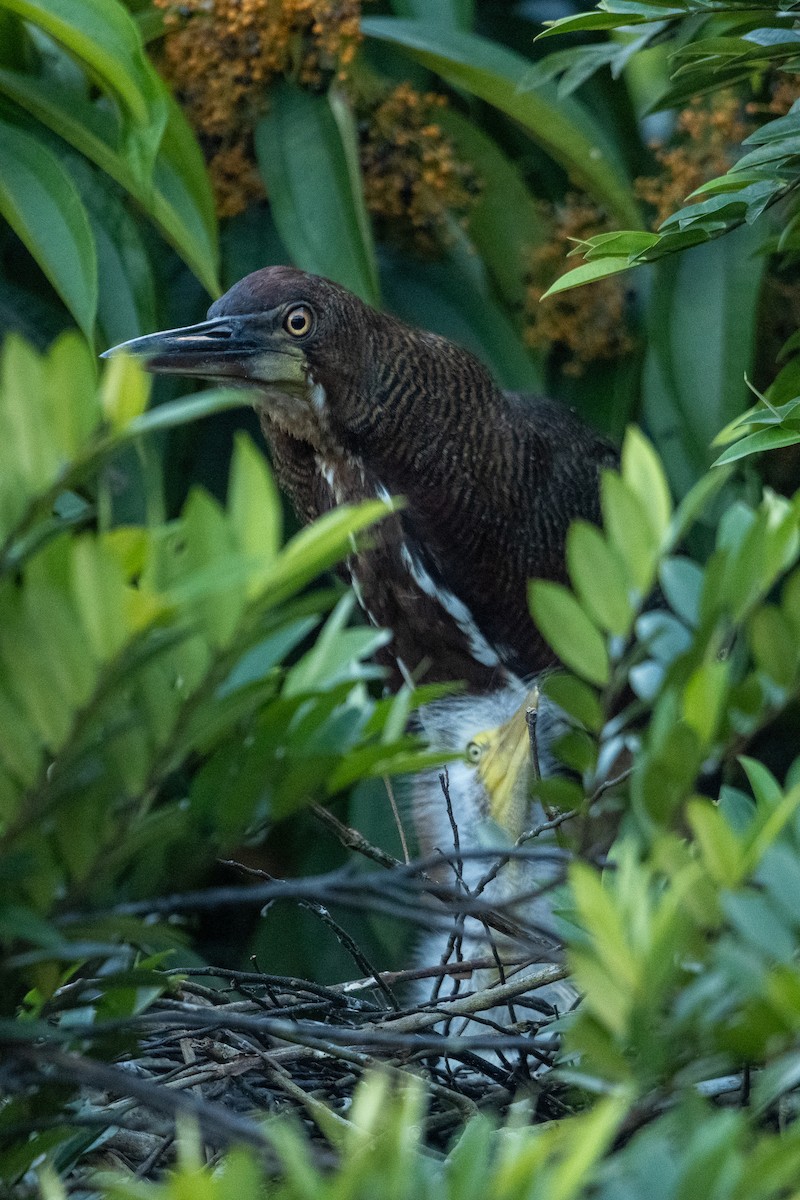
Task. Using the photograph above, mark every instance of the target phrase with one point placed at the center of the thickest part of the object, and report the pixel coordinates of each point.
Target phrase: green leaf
(576, 698)
(178, 200)
(43, 207)
(757, 443)
(493, 73)
(254, 503)
(504, 245)
(305, 147)
(598, 577)
(773, 644)
(569, 631)
(704, 698)
(125, 390)
(104, 37)
(644, 475)
(588, 272)
(629, 530)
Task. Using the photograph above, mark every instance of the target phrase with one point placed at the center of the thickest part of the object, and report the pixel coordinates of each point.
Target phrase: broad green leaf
(183, 203)
(703, 331)
(447, 14)
(98, 589)
(126, 300)
(178, 200)
(644, 475)
(184, 410)
(209, 544)
(569, 631)
(43, 207)
(577, 699)
(306, 155)
(506, 223)
(598, 577)
(103, 36)
(487, 70)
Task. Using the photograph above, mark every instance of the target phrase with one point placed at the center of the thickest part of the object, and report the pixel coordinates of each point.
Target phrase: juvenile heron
(355, 404)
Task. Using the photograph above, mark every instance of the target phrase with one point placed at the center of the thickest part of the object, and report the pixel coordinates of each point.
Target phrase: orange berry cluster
(588, 323)
(219, 55)
(414, 183)
(707, 136)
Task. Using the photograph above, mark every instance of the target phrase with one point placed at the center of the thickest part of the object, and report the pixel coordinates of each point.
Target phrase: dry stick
(396, 814)
(219, 1124)
(342, 936)
(351, 839)
(444, 780)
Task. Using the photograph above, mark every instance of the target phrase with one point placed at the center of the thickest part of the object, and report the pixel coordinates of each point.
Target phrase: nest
(229, 1048)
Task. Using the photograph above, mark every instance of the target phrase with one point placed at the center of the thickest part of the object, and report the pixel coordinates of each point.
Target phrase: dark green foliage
(171, 684)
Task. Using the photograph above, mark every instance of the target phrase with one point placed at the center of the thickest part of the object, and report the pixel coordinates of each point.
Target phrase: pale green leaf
(598, 578)
(125, 390)
(629, 531)
(644, 475)
(254, 504)
(569, 631)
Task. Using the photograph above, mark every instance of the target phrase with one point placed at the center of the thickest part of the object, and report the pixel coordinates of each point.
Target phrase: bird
(355, 404)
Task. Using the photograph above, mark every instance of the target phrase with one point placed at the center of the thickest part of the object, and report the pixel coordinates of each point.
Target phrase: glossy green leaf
(703, 337)
(506, 223)
(588, 272)
(43, 207)
(758, 443)
(178, 199)
(103, 36)
(487, 70)
(306, 155)
(569, 631)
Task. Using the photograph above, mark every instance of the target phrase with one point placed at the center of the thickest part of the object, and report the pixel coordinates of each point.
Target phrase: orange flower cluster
(586, 324)
(218, 55)
(708, 134)
(414, 183)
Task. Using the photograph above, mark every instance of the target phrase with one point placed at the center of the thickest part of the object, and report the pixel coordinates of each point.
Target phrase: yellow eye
(298, 320)
(474, 751)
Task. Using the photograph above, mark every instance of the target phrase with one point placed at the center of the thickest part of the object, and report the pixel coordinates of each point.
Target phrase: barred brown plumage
(355, 404)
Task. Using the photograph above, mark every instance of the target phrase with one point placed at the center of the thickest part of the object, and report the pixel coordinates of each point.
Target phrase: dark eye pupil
(298, 322)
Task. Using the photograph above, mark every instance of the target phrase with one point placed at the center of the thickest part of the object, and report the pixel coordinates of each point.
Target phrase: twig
(396, 814)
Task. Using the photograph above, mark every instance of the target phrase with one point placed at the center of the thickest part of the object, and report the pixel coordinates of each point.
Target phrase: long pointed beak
(506, 767)
(240, 347)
